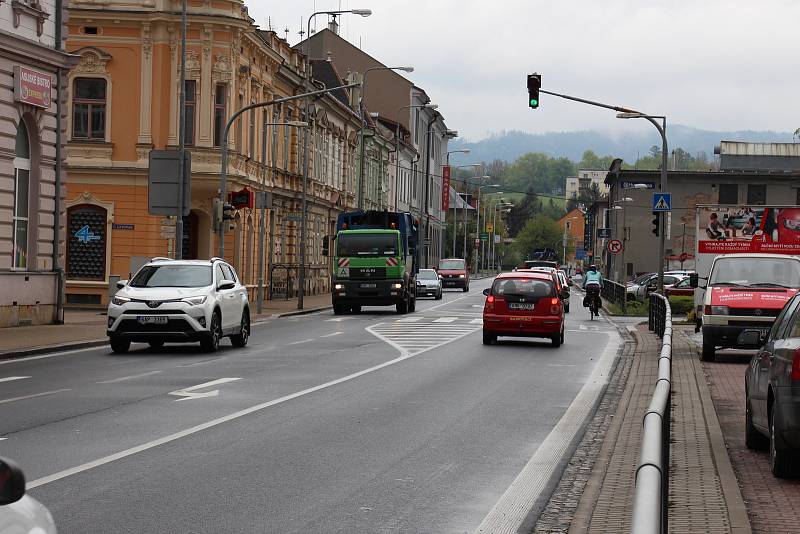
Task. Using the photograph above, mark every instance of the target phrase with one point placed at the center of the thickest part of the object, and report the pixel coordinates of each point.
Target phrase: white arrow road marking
(188, 393)
(10, 378)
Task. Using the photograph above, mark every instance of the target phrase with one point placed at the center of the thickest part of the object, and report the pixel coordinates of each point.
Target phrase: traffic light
(534, 83)
(222, 212)
(656, 217)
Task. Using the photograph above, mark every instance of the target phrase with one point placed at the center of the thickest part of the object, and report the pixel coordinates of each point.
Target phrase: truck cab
(745, 292)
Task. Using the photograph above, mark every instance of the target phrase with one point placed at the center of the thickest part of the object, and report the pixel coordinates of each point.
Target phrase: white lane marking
(476, 321)
(338, 319)
(445, 319)
(210, 424)
(130, 377)
(3, 439)
(513, 507)
(3, 401)
(189, 393)
(301, 341)
(477, 305)
(588, 327)
(447, 303)
(12, 378)
(51, 355)
(333, 334)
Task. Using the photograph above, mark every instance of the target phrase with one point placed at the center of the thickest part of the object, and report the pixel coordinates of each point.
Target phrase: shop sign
(32, 87)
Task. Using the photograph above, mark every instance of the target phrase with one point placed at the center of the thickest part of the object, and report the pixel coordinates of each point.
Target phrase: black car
(772, 391)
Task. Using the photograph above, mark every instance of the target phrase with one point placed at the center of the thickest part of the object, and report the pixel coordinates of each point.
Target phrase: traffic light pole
(223, 175)
(662, 129)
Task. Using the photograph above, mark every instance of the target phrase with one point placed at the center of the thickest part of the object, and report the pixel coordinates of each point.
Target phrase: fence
(281, 280)
(614, 292)
(652, 472)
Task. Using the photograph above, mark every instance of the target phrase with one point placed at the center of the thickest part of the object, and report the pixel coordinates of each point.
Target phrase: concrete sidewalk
(87, 328)
(704, 496)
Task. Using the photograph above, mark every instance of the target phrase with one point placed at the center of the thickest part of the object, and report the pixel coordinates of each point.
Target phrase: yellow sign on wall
(489, 228)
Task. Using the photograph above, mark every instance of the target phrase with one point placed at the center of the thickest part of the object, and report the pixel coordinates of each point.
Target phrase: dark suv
(454, 273)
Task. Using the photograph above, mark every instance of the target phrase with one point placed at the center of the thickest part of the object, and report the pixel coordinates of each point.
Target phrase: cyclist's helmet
(592, 268)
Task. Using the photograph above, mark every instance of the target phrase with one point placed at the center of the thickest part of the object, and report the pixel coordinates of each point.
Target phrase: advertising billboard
(730, 229)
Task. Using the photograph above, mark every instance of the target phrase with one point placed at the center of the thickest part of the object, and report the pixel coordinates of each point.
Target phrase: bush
(633, 308)
(681, 305)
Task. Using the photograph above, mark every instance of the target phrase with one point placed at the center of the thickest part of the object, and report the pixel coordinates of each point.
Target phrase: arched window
(86, 242)
(22, 177)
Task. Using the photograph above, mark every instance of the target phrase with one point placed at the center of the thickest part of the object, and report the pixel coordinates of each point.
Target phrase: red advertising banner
(774, 230)
(32, 87)
(446, 188)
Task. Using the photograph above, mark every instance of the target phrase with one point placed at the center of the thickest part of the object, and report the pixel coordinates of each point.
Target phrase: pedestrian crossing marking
(425, 333)
(445, 320)
(408, 320)
(476, 321)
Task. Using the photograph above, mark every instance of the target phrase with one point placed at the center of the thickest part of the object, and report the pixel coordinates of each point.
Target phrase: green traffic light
(534, 102)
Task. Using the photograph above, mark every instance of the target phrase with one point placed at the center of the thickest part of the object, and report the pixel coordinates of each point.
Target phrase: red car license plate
(521, 305)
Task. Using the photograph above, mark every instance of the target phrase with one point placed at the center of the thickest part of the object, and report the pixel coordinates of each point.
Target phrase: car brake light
(489, 307)
(555, 307)
(796, 364)
(554, 301)
(490, 299)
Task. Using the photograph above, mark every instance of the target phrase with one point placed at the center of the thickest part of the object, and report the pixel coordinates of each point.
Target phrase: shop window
(220, 97)
(728, 193)
(22, 176)
(756, 194)
(86, 242)
(89, 109)
(190, 92)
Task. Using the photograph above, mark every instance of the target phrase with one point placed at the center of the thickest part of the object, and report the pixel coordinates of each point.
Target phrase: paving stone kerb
(700, 500)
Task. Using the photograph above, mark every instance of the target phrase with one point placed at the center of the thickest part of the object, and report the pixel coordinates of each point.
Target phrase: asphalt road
(364, 423)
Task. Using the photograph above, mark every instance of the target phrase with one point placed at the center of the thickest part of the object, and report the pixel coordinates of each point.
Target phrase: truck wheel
(412, 305)
(402, 306)
(356, 309)
(709, 352)
(338, 309)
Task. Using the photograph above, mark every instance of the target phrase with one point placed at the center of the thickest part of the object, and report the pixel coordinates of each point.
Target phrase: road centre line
(12, 378)
(129, 377)
(333, 334)
(404, 355)
(301, 341)
(3, 401)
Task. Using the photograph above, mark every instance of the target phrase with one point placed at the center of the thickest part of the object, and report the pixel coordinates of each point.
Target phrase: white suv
(180, 301)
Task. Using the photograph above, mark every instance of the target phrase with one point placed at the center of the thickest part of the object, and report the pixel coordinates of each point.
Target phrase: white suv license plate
(152, 319)
(521, 305)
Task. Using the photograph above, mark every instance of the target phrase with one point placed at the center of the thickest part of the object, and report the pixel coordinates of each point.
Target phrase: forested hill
(508, 146)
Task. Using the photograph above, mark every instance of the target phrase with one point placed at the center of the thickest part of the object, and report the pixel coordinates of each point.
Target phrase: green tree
(539, 232)
(590, 160)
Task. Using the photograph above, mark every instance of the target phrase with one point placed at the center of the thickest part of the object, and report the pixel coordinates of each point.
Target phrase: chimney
(355, 92)
(328, 56)
(333, 25)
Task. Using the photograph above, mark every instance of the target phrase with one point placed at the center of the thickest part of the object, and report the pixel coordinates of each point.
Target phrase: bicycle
(593, 294)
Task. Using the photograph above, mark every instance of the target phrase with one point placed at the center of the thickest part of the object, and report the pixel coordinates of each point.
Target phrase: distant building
(583, 182)
(743, 156)
(572, 228)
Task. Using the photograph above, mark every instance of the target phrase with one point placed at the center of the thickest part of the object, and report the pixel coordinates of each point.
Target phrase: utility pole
(181, 140)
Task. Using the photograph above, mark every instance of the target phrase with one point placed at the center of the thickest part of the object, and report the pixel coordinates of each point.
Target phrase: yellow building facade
(124, 102)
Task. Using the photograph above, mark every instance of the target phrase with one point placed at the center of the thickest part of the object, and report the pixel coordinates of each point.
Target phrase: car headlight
(338, 287)
(719, 310)
(397, 286)
(119, 301)
(462, 276)
(195, 301)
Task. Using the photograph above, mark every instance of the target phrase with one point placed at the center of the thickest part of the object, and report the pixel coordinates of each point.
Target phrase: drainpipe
(59, 316)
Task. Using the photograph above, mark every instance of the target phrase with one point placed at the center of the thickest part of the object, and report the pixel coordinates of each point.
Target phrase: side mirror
(12, 482)
(226, 284)
(694, 280)
(751, 338)
(487, 291)
(121, 283)
(325, 245)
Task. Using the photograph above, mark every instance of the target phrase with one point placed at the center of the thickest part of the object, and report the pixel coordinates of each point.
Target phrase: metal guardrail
(614, 292)
(649, 514)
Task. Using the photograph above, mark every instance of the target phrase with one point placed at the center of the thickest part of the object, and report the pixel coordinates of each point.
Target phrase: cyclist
(592, 283)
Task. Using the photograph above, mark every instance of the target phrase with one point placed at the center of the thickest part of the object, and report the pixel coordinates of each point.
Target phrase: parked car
(429, 284)
(564, 289)
(19, 512)
(454, 273)
(772, 380)
(567, 277)
(523, 304)
(180, 301)
(682, 288)
(643, 286)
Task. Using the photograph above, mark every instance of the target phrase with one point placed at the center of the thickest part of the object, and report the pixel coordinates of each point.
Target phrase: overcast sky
(710, 64)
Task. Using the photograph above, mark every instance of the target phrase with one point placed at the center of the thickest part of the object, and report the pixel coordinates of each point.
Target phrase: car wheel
(155, 345)
(783, 462)
(753, 439)
(709, 352)
(466, 288)
(119, 345)
(439, 294)
(240, 340)
(566, 308)
(210, 343)
(489, 338)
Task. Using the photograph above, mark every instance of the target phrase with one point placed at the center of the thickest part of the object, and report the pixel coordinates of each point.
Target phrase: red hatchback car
(523, 304)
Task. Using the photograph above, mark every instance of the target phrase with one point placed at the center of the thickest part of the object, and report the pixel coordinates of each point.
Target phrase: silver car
(20, 513)
(429, 284)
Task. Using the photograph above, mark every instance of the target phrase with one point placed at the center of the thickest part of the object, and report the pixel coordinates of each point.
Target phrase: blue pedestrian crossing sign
(662, 202)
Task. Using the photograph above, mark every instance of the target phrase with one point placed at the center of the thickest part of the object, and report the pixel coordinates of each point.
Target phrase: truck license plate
(152, 319)
(369, 286)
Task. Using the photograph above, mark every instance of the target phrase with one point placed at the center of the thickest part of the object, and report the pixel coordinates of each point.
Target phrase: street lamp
(460, 151)
(361, 131)
(486, 248)
(662, 129)
(478, 221)
(301, 289)
(503, 207)
(397, 144)
(262, 231)
(464, 209)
